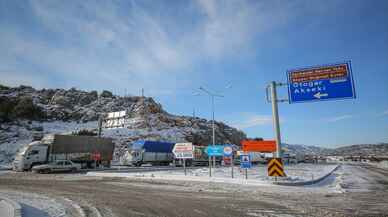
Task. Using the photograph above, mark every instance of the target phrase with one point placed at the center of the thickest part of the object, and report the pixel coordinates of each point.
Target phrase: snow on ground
(382, 164)
(35, 205)
(257, 175)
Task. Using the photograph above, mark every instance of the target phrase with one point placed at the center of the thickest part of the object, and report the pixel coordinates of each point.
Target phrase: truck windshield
(22, 151)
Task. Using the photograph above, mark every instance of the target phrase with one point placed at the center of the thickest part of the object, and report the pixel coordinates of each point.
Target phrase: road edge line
(310, 182)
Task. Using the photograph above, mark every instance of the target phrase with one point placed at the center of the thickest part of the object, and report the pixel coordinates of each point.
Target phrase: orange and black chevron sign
(275, 167)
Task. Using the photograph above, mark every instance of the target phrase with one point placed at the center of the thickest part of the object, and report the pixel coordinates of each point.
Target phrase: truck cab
(30, 155)
(137, 157)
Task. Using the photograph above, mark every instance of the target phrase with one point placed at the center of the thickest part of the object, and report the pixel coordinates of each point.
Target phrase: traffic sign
(275, 167)
(267, 146)
(183, 150)
(215, 150)
(318, 83)
(96, 156)
(228, 151)
(245, 161)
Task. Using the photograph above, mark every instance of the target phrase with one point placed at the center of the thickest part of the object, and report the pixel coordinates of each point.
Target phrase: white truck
(88, 151)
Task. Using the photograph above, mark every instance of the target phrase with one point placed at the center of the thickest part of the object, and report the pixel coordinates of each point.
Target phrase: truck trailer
(88, 151)
(151, 152)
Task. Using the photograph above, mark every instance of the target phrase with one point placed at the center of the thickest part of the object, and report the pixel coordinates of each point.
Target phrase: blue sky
(171, 48)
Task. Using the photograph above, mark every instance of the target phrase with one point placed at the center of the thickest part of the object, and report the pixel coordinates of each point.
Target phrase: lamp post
(212, 95)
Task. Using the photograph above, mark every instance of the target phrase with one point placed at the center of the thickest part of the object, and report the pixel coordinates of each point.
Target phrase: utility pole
(99, 125)
(212, 95)
(275, 114)
(193, 112)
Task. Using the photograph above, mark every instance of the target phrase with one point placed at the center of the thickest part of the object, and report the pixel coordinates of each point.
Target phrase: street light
(212, 95)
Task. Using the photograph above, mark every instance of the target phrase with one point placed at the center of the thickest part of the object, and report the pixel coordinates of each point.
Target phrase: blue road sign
(216, 150)
(228, 151)
(327, 82)
(245, 161)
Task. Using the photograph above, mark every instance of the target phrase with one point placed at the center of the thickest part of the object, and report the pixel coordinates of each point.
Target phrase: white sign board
(183, 151)
(115, 119)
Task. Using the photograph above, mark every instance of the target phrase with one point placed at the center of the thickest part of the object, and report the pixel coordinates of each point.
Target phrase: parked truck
(88, 151)
(151, 152)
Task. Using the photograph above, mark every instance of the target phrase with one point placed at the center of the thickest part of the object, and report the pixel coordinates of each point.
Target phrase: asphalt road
(366, 194)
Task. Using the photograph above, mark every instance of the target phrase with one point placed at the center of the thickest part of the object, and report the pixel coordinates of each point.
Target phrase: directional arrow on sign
(319, 95)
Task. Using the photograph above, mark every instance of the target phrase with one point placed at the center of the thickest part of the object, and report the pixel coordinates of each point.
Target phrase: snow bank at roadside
(34, 205)
(257, 175)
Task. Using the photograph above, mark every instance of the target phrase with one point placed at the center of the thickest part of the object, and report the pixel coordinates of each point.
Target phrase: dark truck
(88, 151)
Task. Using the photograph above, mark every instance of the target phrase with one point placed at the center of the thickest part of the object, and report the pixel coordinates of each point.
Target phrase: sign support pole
(275, 116)
(184, 165)
(232, 164)
(99, 126)
(246, 173)
(210, 167)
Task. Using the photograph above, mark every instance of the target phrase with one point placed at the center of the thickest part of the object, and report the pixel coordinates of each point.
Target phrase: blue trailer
(152, 152)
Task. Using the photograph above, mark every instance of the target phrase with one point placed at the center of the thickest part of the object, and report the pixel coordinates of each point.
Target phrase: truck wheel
(45, 171)
(73, 170)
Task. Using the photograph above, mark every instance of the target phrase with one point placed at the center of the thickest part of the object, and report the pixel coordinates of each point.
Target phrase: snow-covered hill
(25, 111)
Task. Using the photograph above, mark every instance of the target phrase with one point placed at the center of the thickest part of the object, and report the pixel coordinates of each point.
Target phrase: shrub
(6, 107)
(26, 109)
(2, 87)
(107, 94)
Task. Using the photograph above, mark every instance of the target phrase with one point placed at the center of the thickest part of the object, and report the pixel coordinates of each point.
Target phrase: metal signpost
(213, 151)
(275, 114)
(183, 151)
(245, 163)
(327, 82)
(312, 84)
(228, 152)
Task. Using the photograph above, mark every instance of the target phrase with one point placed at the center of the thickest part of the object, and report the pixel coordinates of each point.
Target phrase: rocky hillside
(25, 111)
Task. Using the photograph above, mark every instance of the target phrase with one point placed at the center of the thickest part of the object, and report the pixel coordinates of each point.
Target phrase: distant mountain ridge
(362, 149)
(351, 150)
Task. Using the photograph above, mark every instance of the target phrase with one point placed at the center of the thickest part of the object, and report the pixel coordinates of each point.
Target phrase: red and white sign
(96, 156)
(183, 151)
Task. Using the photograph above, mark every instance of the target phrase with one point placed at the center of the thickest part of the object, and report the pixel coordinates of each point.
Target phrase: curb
(95, 211)
(311, 182)
(17, 209)
(80, 211)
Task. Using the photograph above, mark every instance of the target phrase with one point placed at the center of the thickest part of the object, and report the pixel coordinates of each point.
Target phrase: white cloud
(108, 44)
(384, 113)
(248, 120)
(339, 118)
